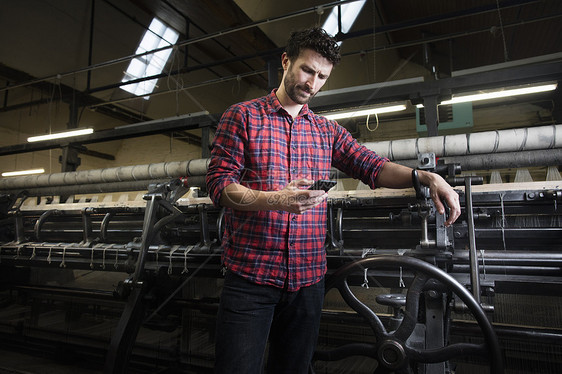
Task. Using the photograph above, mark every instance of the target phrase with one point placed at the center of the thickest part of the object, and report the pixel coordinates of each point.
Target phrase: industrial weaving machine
(134, 282)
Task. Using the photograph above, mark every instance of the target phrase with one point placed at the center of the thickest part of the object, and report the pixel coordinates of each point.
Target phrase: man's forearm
(238, 197)
(395, 176)
(294, 198)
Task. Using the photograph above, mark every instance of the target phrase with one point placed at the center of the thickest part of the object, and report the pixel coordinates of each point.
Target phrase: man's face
(306, 75)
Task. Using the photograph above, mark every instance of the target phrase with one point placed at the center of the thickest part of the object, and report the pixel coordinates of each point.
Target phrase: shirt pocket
(319, 155)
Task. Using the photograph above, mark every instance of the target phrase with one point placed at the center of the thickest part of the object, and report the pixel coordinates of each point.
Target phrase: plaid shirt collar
(273, 105)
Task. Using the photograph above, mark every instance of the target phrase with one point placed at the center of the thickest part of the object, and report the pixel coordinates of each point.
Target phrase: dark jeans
(249, 314)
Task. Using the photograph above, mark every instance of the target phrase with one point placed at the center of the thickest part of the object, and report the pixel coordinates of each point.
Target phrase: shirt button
(294, 146)
(294, 218)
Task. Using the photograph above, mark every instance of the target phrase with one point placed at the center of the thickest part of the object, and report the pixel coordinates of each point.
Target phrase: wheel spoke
(429, 356)
(412, 306)
(363, 310)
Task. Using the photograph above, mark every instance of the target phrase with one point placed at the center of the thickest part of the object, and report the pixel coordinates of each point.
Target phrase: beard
(299, 93)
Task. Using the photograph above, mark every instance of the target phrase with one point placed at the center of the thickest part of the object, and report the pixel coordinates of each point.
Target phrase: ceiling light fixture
(501, 93)
(365, 112)
(498, 94)
(22, 172)
(59, 135)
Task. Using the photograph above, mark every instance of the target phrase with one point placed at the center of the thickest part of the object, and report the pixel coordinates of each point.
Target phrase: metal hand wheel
(391, 349)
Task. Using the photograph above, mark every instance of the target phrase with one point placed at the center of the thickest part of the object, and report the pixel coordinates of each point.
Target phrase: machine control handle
(417, 185)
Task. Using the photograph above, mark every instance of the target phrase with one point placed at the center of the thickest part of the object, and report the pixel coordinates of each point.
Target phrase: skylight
(157, 36)
(349, 13)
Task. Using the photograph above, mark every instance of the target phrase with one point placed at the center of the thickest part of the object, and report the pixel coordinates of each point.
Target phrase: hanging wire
(235, 90)
(374, 43)
(175, 84)
(505, 54)
(178, 86)
(367, 123)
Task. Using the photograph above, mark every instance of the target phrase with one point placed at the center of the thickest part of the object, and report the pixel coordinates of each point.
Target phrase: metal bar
(91, 44)
(473, 257)
(87, 234)
(204, 228)
(431, 114)
(104, 226)
(122, 341)
(39, 223)
(148, 233)
(159, 126)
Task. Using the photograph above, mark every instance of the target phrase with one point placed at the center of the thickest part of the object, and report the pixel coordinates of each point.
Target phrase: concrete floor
(18, 363)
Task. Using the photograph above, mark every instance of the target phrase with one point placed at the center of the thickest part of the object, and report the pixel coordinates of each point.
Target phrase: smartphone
(322, 185)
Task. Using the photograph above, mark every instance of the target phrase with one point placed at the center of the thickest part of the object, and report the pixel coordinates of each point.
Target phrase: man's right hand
(294, 198)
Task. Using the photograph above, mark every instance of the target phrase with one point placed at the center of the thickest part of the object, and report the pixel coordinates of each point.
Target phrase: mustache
(305, 88)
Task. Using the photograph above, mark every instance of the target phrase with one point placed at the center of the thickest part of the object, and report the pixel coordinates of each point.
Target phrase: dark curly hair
(314, 38)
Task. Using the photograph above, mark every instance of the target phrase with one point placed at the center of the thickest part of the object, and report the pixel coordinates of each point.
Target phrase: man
(266, 152)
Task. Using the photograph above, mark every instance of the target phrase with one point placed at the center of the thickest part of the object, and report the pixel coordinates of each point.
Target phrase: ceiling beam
(417, 91)
(159, 126)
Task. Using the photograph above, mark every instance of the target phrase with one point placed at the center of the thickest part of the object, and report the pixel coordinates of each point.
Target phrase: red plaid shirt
(259, 145)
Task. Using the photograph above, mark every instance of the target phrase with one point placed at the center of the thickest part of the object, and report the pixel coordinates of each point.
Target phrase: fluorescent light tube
(22, 172)
(498, 94)
(59, 135)
(366, 112)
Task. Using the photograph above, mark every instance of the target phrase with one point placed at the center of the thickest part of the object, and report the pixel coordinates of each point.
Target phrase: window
(349, 13)
(157, 36)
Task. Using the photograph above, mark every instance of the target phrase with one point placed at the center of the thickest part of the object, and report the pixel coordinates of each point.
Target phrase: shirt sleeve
(227, 153)
(355, 159)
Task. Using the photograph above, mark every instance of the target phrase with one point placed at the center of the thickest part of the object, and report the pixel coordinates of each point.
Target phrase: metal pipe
(511, 270)
(492, 161)
(140, 185)
(84, 188)
(486, 142)
(174, 169)
(534, 334)
(552, 157)
(525, 145)
(491, 257)
(512, 256)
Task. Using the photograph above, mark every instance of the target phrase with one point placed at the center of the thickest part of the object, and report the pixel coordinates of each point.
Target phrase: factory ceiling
(229, 50)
